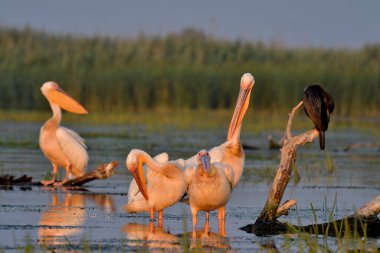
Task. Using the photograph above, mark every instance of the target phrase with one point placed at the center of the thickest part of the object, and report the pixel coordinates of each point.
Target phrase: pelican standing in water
(318, 106)
(166, 184)
(209, 188)
(231, 152)
(62, 146)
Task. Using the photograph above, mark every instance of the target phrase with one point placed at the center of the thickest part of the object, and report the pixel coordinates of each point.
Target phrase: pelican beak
(206, 163)
(65, 101)
(240, 109)
(138, 175)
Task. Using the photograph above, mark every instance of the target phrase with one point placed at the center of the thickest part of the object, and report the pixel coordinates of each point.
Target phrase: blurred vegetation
(184, 71)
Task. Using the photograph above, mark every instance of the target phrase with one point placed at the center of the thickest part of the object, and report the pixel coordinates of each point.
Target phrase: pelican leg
(49, 182)
(222, 220)
(151, 214)
(151, 226)
(160, 218)
(68, 171)
(207, 223)
(194, 213)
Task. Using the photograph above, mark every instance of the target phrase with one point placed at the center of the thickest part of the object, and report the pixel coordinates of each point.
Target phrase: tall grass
(188, 70)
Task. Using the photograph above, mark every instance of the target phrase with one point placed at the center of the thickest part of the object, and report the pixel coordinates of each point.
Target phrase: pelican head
(204, 159)
(134, 164)
(246, 84)
(56, 95)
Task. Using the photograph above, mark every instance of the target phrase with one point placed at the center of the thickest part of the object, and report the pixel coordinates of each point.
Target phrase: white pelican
(166, 184)
(62, 146)
(209, 188)
(231, 152)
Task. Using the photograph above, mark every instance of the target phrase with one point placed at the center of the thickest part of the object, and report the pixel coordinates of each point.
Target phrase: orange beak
(65, 101)
(138, 175)
(240, 109)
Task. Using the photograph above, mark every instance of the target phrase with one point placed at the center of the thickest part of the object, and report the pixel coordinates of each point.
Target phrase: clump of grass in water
(296, 174)
(330, 166)
(267, 173)
(320, 241)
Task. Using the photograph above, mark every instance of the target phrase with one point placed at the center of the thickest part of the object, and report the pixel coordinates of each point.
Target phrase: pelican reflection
(66, 216)
(155, 239)
(151, 237)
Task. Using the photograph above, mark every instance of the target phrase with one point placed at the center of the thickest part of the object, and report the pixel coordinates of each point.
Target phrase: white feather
(74, 148)
(189, 174)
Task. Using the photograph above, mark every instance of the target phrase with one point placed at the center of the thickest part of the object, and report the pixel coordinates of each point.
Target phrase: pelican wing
(189, 174)
(228, 171)
(74, 148)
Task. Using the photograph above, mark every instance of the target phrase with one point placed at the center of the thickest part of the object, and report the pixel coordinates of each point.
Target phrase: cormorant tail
(322, 140)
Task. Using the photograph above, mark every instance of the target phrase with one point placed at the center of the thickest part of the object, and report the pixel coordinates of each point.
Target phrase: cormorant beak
(240, 109)
(138, 174)
(65, 101)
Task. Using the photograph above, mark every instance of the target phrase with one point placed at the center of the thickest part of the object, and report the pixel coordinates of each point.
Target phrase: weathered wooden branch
(10, 180)
(102, 172)
(284, 208)
(288, 157)
(370, 209)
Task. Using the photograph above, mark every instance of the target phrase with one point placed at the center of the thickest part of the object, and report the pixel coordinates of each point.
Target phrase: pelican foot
(47, 182)
(59, 184)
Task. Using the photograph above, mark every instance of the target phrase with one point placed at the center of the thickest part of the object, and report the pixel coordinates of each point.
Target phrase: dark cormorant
(318, 106)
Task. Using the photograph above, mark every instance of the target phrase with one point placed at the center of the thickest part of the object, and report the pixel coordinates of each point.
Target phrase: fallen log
(9, 180)
(103, 171)
(361, 145)
(364, 221)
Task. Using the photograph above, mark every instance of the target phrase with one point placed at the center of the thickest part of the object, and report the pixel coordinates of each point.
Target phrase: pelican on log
(62, 146)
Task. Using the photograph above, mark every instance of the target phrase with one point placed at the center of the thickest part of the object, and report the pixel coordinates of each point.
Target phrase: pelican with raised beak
(231, 152)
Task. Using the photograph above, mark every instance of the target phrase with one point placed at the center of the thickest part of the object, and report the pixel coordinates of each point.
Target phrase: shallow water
(74, 220)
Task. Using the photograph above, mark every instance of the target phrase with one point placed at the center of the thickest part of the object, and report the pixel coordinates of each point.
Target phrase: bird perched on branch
(318, 105)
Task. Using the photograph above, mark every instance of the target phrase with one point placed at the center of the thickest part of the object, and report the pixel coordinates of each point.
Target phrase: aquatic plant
(330, 166)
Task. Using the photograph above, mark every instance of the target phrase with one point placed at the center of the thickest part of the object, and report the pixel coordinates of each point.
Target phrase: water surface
(93, 219)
